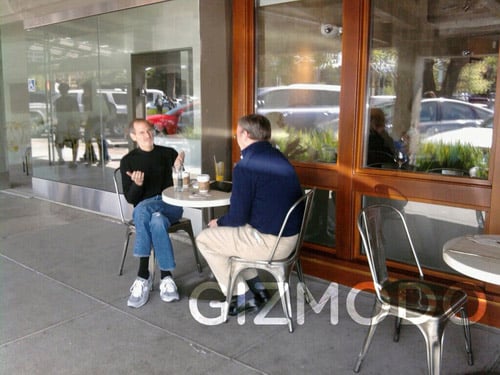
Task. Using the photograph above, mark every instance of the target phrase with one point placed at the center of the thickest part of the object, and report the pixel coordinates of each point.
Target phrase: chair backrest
(307, 200)
(375, 224)
(117, 178)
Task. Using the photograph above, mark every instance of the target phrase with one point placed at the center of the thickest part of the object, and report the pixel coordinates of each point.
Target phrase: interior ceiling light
(36, 47)
(56, 51)
(84, 47)
(66, 42)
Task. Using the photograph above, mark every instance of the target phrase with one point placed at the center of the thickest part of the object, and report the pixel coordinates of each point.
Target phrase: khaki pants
(218, 244)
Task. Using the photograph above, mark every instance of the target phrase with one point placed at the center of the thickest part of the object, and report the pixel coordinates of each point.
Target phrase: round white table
(476, 256)
(191, 198)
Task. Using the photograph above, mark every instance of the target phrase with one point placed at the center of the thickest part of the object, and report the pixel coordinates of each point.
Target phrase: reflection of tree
(445, 77)
(429, 83)
(329, 65)
(383, 63)
(449, 77)
(477, 77)
(277, 70)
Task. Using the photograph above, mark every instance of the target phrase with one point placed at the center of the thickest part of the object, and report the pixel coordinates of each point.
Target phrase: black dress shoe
(235, 309)
(261, 297)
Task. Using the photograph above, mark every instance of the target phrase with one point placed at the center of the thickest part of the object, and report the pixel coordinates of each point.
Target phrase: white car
(151, 96)
(481, 137)
(303, 106)
(117, 98)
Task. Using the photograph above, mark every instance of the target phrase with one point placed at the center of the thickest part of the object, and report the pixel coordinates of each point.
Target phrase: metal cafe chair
(280, 269)
(427, 305)
(183, 224)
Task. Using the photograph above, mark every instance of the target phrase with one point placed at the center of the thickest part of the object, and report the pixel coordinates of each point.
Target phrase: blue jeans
(152, 218)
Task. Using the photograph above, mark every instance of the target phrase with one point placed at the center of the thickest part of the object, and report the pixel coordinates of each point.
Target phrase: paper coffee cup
(185, 178)
(203, 183)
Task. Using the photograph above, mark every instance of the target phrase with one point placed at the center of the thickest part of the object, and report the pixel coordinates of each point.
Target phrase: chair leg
(125, 248)
(284, 291)
(300, 275)
(189, 231)
(369, 336)
(433, 334)
(397, 329)
(468, 341)
(229, 293)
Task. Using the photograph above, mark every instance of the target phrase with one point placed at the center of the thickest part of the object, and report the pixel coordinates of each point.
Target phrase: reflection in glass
(93, 57)
(67, 112)
(430, 227)
(298, 76)
(321, 227)
(435, 83)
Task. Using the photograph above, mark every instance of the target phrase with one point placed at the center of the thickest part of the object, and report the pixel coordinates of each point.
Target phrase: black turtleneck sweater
(157, 167)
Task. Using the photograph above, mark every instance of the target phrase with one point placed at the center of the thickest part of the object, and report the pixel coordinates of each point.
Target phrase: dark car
(440, 114)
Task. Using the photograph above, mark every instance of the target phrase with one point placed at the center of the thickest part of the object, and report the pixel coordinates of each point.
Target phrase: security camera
(326, 29)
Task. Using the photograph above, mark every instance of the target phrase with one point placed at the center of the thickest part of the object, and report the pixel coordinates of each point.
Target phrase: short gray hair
(257, 126)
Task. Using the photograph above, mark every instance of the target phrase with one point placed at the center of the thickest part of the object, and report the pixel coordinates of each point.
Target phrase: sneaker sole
(135, 306)
(169, 299)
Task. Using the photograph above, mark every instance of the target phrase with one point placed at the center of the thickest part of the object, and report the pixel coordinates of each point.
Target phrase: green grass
(453, 156)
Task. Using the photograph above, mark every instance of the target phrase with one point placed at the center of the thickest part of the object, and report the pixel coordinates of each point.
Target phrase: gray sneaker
(139, 292)
(168, 290)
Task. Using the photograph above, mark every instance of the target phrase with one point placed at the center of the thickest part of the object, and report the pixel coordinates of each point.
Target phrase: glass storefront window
(132, 63)
(321, 227)
(299, 49)
(430, 227)
(431, 87)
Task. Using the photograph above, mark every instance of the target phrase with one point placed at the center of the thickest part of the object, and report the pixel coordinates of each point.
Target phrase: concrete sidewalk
(63, 311)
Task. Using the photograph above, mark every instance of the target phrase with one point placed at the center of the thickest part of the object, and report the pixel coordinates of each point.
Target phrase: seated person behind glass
(381, 148)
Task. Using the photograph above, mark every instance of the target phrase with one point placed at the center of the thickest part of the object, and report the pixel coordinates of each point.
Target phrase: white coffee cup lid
(203, 178)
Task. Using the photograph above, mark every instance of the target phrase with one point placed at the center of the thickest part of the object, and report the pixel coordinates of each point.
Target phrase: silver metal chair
(279, 268)
(183, 224)
(427, 305)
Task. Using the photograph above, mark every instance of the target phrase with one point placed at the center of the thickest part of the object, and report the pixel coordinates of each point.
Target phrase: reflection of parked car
(151, 96)
(38, 114)
(169, 122)
(475, 136)
(117, 99)
(307, 106)
(38, 119)
(439, 114)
